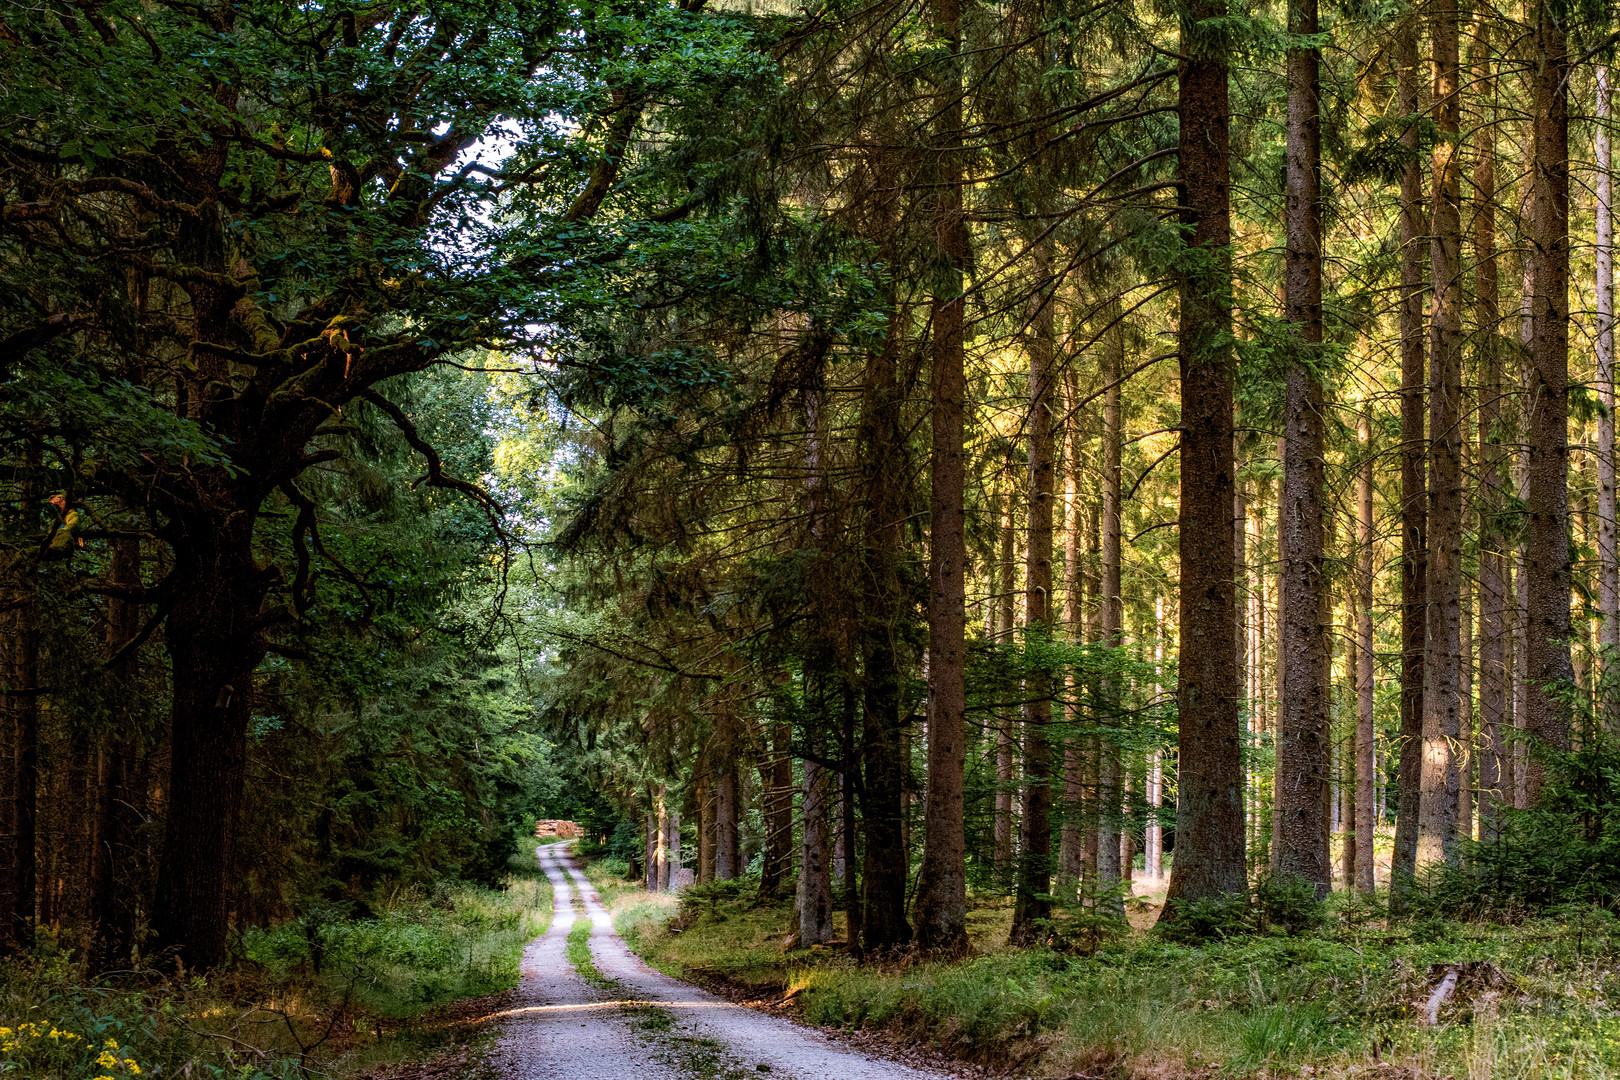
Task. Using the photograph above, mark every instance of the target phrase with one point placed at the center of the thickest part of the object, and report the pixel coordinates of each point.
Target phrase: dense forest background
(906, 456)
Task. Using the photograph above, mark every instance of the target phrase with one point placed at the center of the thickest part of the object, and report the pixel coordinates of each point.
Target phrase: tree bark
(882, 801)
(1608, 549)
(1414, 490)
(815, 900)
(1547, 548)
(1442, 682)
(1005, 765)
(1494, 678)
(1303, 750)
(1072, 851)
(215, 643)
(1366, 733)
(941, 908)
(112, 910)
(1035, 827)
(1111, 611)
(1209, 846)
(725, 753)
(19, 727)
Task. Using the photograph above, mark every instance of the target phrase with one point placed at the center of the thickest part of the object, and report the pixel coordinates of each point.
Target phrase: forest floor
(401, 991)
(1350, 999)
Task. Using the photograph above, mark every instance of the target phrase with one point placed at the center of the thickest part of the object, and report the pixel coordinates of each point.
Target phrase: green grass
(318, 995)
(1340, 1000)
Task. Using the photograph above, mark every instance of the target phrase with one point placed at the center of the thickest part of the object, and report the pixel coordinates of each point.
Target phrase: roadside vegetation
(397, 993)
(1295, 989)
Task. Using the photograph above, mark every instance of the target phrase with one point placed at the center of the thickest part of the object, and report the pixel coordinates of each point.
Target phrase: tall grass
(319, 995)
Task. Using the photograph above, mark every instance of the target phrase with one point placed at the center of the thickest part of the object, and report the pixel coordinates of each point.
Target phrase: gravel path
(624, 1020)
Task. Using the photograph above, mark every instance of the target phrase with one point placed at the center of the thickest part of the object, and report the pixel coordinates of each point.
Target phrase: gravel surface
(631, 1021)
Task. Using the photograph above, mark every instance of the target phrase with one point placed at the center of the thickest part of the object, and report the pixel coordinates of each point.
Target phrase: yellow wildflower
(107, 1059)
(112, 1044)
(129, 1063)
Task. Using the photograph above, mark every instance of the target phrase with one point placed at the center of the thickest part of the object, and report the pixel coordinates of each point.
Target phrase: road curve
(630, 1021)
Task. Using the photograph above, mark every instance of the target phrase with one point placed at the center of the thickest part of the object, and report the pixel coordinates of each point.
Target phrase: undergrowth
(320, 995)
(1329, 992)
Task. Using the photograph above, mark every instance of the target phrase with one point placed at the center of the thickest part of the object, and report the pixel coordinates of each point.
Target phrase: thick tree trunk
(1366, 733)
(1547, 549)
(1494, 715)
(1303, 752)
(1035, 831)
(1209, 848)
(1414, 490)
(941, 910)
(887, 863)
(1442, 682)
(215, 643)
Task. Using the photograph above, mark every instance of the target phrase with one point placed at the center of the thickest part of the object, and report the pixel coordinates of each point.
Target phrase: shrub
(1289, 904)
(1193, 922)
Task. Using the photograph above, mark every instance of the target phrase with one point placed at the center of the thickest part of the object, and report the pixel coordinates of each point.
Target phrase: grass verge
(1537, 1000)
(394, 994)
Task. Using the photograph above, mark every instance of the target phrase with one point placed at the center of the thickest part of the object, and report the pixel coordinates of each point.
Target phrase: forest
(1077, 537)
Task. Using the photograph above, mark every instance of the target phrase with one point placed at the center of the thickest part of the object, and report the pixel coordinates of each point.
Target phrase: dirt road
(613, 1018)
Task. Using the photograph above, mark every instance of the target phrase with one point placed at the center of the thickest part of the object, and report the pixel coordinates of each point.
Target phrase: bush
(1565, 850)
(1193, 922)
(1289, 904)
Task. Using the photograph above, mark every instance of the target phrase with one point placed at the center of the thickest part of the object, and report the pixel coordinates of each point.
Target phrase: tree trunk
(1005, 766)
(1154, 865)
(941, 910)
(1414, 491)
(112, 909)
(725, 802)
(1110, 610)
(1035, 827)
(1072, 851)
(1303, 751)
(1442, 681)
(19, 726)
(672, 850)
(215, 643)
(1366, 733)
(705, 798)
(815, 901)
(1209, 846)
(1494, 715)
(654, 833)
(1547, 549)
(887, 863)
(1608, 550)
(776, 782)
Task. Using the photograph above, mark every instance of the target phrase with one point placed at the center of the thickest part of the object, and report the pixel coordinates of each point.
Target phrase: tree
(1303, 716)
(941, 904)
(1442, 678)
(1209, 806)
